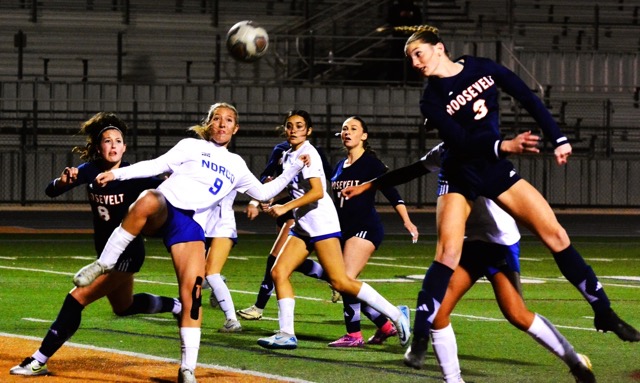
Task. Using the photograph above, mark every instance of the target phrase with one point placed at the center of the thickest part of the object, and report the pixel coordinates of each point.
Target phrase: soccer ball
(247, 41)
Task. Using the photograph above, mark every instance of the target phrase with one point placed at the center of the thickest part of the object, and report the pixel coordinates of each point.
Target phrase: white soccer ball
(247, 41)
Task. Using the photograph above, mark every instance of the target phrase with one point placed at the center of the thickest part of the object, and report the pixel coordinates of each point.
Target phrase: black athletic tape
(196, 298)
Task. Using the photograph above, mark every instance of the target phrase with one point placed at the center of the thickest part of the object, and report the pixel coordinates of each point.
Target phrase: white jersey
(487, 221)
(202, 174)
(222, 219)
(317, 218)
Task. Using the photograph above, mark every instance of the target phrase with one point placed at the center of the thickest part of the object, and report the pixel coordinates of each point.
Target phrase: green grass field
(36, 271)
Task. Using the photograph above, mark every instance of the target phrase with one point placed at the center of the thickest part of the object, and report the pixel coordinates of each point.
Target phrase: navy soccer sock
(266, 287)
(63, 328)
(312, 269)
(351, 308)
(144, 303)
(576, 270)
(434, 287)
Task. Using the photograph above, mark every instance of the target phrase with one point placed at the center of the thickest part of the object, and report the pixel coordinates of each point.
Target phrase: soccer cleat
(279, 341)
(348, 341)
(335, 295)
(416, 353)
(29, 367)
(231, 325)
(609, 321)
(250, 313)
(403, 325)
(582, 371)
(86, 275)
(380, 336)
(186, 375)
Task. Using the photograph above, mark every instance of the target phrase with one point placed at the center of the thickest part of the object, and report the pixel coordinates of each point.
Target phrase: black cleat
(609, 321)
(416, 353)
(582, 372)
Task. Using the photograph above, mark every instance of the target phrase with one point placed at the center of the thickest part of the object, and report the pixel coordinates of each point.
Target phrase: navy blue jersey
(465, 108)
(360, 212)
(109, 204)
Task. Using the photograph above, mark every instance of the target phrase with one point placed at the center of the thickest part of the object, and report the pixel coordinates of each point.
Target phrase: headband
(108, 128)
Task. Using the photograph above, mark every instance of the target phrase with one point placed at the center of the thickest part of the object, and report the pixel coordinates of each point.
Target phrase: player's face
(425, 58)
(223, 125)
(297, 131)
(112, 146)
(352, 134)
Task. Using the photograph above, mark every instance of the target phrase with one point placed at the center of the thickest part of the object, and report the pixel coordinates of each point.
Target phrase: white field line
(161, 359)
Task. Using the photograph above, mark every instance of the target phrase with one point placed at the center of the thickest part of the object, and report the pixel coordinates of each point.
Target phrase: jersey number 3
(480, 109)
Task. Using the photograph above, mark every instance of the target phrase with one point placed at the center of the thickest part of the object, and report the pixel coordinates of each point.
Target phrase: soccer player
(316, 227)
(105, 136)
(461, 100)
(202, 173)
(491, 248)
(362, 229)
(221, 236)
(284, 222)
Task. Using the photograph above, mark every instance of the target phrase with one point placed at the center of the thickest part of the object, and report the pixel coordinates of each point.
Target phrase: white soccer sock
(286, 308)
(446, 351)
(190, 345)
(118, 241)
(177, 306)
(40, 357)
(378, 302)
(545, 333)
(222, 294)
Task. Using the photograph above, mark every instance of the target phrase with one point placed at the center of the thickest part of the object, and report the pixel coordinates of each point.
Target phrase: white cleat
(403, 325)
(86, 275)
(186, 376)
(29, 367)
(250, 313)
(231, 325)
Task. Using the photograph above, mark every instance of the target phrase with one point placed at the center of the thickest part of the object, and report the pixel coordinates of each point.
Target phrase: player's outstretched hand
(69, 176)
(276, 210)
(252, 210)
(562, 153)
(526, 142)
(352, 191)
(413, 231)
(305, 158)
(103, 178)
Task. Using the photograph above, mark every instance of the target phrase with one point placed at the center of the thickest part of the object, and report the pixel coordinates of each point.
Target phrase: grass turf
(36, 270)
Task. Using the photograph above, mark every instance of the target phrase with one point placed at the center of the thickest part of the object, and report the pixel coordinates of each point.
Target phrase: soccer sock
(576, 270)
(545, 333)
(189, 345)
(378, 302)
(63, 328)
(312, 268)
(351, 309)
(446, 350)
(378, 319)
(118, 241)
(434, 287)
(266, 287)
(145, 303)
(286, 307)
(177, 306)
(223, 296)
